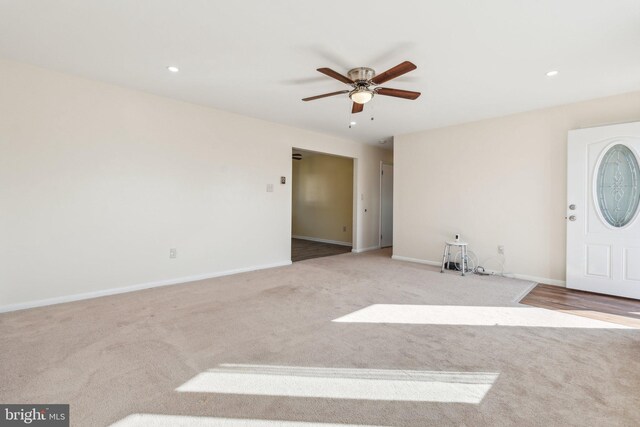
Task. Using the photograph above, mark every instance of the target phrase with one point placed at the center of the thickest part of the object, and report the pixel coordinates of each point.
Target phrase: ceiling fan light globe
(361, 96)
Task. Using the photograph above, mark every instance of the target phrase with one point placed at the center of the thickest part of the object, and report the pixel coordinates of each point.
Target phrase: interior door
(386, 205)
(603, 229)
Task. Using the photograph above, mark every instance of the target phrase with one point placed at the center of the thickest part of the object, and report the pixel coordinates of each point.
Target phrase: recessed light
(552, 73)
(352, 123)
(173, 69)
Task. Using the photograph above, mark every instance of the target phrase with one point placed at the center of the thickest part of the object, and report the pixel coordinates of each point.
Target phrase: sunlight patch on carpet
(472, 316)
(344, 383)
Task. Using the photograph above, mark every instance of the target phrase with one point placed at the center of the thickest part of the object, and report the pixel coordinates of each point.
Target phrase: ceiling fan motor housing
(361, 75)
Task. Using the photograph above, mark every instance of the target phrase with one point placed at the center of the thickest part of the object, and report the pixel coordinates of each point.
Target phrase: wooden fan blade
(311, 98)
(394, 72)
(333, 74)
(357, 108)
(406, 94)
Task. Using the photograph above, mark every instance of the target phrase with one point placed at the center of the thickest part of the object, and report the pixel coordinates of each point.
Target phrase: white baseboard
(133, 288)
(316, 239)
(370, 248)
(543, 280)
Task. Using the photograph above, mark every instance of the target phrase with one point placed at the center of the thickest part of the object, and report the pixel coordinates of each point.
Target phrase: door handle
(572, 218)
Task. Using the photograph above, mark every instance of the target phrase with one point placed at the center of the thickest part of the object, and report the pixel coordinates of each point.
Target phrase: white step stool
(447, 253)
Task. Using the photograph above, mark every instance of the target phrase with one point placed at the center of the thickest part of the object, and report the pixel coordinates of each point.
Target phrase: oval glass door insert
(617, 186)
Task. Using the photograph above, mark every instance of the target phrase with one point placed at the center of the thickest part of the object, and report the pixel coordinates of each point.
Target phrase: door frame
(382, 163)
(354, 178)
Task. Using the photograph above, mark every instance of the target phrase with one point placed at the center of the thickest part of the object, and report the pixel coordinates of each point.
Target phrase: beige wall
(322, 197)
(97, 182)
(496, 182)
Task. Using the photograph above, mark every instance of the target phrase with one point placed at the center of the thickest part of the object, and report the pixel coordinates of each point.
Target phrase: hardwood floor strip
(623, 311)
(585, 299)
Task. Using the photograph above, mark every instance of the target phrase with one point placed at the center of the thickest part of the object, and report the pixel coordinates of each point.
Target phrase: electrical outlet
(344, 228)
(173, 253)
(500, 249)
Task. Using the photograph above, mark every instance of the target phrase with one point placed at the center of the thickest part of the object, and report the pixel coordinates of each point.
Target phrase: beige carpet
(325, 341)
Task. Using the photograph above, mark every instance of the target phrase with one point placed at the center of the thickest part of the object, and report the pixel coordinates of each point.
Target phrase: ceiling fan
(362, 78)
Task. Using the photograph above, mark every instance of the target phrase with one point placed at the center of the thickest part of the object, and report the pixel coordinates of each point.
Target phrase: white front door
(386, 205)
(603, 227)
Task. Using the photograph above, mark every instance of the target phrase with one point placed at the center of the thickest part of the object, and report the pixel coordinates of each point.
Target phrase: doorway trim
(380, 174)
(355, 229)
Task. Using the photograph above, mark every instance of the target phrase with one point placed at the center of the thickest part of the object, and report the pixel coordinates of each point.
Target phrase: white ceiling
(476, 59)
